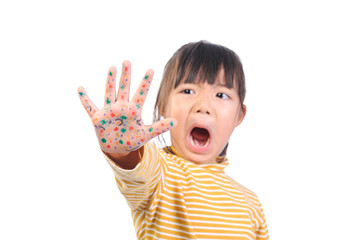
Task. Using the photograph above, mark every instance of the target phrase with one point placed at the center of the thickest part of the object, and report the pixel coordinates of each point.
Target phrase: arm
(128, 161)
(118, 125)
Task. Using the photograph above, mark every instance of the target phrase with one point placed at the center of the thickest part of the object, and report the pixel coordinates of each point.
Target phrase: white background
(298, 147)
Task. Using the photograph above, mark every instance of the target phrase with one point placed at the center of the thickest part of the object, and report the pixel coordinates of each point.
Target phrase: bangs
(202, 62)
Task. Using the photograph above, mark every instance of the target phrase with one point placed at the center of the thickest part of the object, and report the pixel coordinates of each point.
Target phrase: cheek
(174, 109)
(168, 107)
(227, 129)
(229, 122)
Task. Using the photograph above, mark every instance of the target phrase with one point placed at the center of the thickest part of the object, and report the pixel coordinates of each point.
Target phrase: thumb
(160, 127)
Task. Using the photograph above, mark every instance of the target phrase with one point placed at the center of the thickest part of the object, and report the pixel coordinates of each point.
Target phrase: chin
(201, 159)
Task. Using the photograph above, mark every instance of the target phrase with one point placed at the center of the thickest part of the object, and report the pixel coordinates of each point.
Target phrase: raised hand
(118, 125)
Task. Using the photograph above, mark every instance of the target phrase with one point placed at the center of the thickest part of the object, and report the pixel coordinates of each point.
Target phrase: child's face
(206, 115)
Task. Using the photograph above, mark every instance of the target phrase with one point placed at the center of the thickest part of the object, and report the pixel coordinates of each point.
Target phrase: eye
(188, 91)
(223, 96)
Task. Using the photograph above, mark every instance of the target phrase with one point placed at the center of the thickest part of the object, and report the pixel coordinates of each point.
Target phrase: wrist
(115, 156)
(126, 160)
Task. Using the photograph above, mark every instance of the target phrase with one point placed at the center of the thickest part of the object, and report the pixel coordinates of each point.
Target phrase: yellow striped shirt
(172, 198)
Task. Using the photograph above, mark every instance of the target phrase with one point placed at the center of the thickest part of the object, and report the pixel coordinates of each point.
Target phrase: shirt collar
(221, 162)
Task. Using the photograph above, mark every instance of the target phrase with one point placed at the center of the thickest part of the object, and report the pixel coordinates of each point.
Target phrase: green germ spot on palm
(81, 94)
(150, 129)
(103, 122)
(110, 74)
(108, 101)
(123, 117)
(171, 123)
(104, 140)
(123, 130)
(120, 141)
(138, 106)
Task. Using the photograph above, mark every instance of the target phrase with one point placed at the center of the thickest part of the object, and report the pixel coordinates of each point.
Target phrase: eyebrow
(221, 85)
(224, 85)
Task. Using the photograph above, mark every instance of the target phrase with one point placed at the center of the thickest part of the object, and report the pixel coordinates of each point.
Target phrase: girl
(181, 191)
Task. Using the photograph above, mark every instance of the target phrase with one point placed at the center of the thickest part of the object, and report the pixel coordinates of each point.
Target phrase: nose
(203, 105)
(203, 110)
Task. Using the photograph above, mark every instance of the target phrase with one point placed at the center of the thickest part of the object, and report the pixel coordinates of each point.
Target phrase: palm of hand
(118, 125)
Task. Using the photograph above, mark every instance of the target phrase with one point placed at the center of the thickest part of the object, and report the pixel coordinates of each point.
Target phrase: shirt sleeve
(139, 184)
(258, 218)
(262, 230)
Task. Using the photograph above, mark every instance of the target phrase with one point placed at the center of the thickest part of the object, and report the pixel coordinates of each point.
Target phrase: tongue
(200, 136)
(200, 133)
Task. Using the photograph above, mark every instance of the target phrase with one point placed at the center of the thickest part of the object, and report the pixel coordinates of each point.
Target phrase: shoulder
(253, 203)
(250, 196)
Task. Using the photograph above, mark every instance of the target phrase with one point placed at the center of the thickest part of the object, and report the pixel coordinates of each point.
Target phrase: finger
(87, 103)
(143, 89)
(124, 84)
(110, 86)
(160, 127)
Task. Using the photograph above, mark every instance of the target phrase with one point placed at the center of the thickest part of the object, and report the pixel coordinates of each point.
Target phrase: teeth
(205, 145)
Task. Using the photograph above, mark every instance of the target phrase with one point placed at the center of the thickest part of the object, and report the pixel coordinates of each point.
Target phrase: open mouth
(200, 137)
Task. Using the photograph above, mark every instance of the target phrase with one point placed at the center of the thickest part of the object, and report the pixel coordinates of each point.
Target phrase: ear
(161, 112)
(241, 115)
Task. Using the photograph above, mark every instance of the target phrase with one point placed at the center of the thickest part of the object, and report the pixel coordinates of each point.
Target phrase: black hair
(202, 62)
